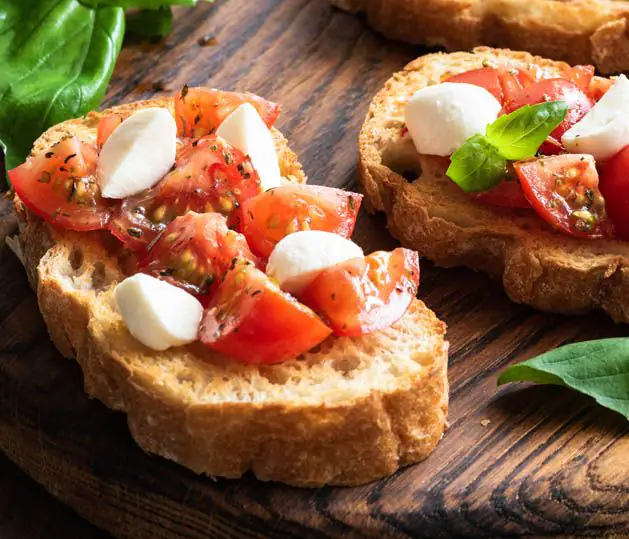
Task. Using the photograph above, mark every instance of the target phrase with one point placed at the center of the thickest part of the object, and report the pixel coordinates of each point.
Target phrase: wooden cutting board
(515, 461)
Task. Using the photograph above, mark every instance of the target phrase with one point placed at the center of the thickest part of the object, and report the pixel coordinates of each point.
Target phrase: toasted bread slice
(348, 412)
(576, 31)
(428, 212)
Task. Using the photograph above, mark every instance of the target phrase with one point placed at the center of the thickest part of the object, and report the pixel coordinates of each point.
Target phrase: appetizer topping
(158, 314)
(245, 130)
(200, 111)
(300, 257)
(615, 189)
(366, 294)
(442, 117)
(60, 186)
(209, 176)
(106, 126)
(271, 216)
(138, 153)
(503, 84)
(195, 252)
(605, 130)
(563, 189)
(250, 319)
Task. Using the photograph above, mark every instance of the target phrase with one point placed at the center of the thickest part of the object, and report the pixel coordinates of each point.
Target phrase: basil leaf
(150, 23)
(56, 58)
(520, 134)
(477, 165)
(599, 369)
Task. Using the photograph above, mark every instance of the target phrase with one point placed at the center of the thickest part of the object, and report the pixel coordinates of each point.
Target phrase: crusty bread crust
(538, 266)
(351, 411)
(576, 31)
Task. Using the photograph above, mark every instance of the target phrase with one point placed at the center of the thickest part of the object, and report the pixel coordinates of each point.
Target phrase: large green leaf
(599, 369)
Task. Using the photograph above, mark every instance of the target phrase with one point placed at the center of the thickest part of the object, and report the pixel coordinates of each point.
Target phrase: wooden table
(523, 462)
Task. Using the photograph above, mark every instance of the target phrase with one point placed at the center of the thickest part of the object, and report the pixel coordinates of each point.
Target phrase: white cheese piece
(138, 154)
(442, 117)
(299, 257)
(158, 314)
(603, 131)
(245, 130)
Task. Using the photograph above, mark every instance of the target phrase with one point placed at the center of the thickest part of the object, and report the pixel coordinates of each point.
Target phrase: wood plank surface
(538, 461)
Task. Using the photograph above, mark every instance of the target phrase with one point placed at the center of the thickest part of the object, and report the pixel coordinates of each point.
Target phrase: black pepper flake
(63, 169)
(246, 175)
(72, 191)
(207, 40)
(352, 204)
(134, 232)
(184, 91)
(197, 119)
(250, 214)
(49, 154)
(213, 148)
(194, 143)
(228, 158)
(256, 293)
(241, 168)
(69, 157)
(232, 264)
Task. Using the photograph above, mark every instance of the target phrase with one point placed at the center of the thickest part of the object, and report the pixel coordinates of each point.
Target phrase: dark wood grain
(539, 461)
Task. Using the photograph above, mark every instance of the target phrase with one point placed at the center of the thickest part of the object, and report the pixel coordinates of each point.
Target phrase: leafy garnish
(477, 165)
(520, 134)
(599, 369)
(480, 163)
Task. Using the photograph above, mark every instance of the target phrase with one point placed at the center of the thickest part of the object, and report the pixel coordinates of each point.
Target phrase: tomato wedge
(580, 75)
(209, 176)
(271, 216)
(599, 86)
(503, 83)
(563, 190)
(579, 104)
(365, 294)
(250, 319)
(60, 186)
(106, 126)
(615, 189)
(195, 252)
(199, 111)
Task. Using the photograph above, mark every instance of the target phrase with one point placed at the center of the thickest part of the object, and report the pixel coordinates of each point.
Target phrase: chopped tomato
(365, 294)
(599, 86)
(503, 83)
(199, 111)
(563, 190)
(581, 76)
(271, 216)
(209, 176)
(106, 126)
(60, 186)
(615, 189)
(195, 252)
(507, 194)
(250, 319)
(579, 104)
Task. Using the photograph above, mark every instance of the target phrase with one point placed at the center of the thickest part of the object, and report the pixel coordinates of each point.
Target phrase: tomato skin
(502, 83)
(365, 294)
(195, 251)
(599, 86)
(581, 75)
(209, 176)
(199, 111)
(106, 126)
(274, 214)
(555, 90)
(563, 190)
(250, 319)
(60, 186)
(507, 194)
(615, 189)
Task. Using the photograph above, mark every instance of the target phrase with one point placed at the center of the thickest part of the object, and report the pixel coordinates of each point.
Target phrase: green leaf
(520, 134)
(56, 59)
(599, 369)
(150, 23)
(477, 165)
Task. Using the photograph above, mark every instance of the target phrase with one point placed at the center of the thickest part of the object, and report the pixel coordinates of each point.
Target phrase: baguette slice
(351, 411)
(430, 213)
(576, 31)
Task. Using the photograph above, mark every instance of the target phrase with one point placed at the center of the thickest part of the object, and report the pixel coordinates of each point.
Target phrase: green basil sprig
(599, 369)
(480, 163)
